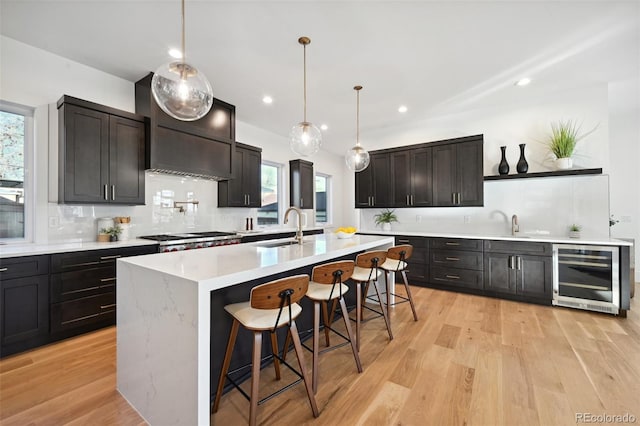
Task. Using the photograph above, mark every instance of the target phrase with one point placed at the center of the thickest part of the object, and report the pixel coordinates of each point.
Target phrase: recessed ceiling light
(267, 100)
(402, 108)
(323, 127)
(175, 53)
(523, 81)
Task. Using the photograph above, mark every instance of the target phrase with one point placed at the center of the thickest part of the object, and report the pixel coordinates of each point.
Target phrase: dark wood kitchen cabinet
(522, 269)
(411, 171)
(301, 184)
(101, 154)
(24, 303)
(418, 271)
(456, 262)
(458, 174)
(373, 184)
(244, 190)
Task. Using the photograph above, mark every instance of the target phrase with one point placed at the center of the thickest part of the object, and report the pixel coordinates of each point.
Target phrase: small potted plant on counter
(574, 231)
(385, 218)
(112, 232)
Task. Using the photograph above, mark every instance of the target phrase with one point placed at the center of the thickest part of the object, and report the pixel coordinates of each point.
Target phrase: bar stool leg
(274, 351)
(325, 321)
(305, 375)
(287, 342)
(347, 325)
(358, 312)
(255, 377)
(406, 286)
(316, 343)
(225, 363)
(385, 311)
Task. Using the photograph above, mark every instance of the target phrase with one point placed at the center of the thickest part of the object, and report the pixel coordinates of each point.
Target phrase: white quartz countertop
(31, 249)
(228, 265)
(539, 238)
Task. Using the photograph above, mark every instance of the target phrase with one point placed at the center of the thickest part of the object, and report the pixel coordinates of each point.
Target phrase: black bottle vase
(522, 166)
(503, 167)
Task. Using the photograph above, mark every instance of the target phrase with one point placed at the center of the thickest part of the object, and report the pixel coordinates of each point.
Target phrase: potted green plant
(574, 231)
(112, 232)
(562, 142)
(385, 218)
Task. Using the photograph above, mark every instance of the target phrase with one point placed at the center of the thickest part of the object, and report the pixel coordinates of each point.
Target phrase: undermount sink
(279, 243)
(515, 236)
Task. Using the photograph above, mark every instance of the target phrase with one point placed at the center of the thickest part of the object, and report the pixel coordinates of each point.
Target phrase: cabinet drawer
(84, 259)
(518, 247)
(457, 259)
(78, 284)
(456, 277)
(85, 311)
(24, 266)
(414, 241)
(455, 244)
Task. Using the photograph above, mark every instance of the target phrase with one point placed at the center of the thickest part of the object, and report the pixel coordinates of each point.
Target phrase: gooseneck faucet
(298, 236)
(515, 228)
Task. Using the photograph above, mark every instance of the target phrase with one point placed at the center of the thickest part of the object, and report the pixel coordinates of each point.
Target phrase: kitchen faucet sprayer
(298, 236)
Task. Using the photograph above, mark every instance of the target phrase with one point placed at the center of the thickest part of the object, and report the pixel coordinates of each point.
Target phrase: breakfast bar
(165, 313)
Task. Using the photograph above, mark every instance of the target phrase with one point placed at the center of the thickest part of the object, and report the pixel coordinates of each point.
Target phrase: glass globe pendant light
(180, 89)
(357, 158)
(305, 138)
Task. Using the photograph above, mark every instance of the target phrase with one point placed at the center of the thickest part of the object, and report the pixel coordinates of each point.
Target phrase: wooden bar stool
(327, 286)
(271, 306)
(367, 270)
(397, 257)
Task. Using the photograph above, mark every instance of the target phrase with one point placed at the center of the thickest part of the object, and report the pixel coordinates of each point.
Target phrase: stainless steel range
(194, 240)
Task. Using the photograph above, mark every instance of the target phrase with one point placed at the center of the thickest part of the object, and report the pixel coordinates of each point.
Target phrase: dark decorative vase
(522, 166)
(503, 167)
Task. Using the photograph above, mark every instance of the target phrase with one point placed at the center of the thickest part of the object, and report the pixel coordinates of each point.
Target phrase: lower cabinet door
(456, 277)
(99, 310)
(498, 275)
(24, 304)
(535, 277)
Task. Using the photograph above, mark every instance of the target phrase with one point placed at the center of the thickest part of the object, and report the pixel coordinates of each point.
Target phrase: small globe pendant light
(305, 138)
(357, 158)
(180, 89)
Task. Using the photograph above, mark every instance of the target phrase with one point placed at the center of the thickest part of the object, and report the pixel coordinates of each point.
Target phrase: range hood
(203, 148)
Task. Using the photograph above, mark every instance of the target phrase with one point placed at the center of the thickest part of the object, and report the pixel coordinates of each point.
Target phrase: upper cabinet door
(245, 189)
(301, 184)
(126, 159)
(401, 182)
(469, 173)
(421, 177)
(83, 155)
(381, 164)
(444, 175)
(252, 178)
(364, 187)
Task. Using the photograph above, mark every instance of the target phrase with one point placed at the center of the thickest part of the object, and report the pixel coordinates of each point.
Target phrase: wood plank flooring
(469, 360)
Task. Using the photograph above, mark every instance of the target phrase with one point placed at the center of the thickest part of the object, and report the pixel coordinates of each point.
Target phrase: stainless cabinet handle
(301, 202)
(113, 192)
(404, 241)
(411, 199)
(106, 192)
(512, 264)
(407, 201)
(452, 258)
(452, 277)
(4, 269)
(107, 306)
(248, 199)
(110, 257)
(104, 280)
(451, 244)
(453, 198)
(518, 263)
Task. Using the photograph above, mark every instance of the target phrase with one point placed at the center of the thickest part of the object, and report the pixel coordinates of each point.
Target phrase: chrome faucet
(515, 228)
(298, 236)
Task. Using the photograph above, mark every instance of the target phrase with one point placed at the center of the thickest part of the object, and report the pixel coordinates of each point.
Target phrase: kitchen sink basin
(515, 236)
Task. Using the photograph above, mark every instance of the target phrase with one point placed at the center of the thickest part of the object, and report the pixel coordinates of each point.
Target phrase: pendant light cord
(357, 117)
(305, 82)
(184, 54)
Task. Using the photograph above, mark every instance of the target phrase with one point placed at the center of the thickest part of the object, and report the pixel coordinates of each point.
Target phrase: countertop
(232, 264)
(538, 238)
(31, 249)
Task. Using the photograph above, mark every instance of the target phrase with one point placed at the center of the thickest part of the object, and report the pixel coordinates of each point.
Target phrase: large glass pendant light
(357, 158)
(180, 89)
(305, 137)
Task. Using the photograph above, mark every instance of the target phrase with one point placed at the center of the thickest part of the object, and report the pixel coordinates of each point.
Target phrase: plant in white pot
(574, 231)
(562, 142)
(385, 218)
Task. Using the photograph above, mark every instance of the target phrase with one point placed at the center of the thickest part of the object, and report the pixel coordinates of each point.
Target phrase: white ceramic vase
(386, 227)
(574, 234)
(564, 163)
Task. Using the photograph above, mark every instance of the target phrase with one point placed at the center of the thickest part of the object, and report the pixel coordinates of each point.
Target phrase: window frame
(328, 186)
(281, 185)
(29, 166)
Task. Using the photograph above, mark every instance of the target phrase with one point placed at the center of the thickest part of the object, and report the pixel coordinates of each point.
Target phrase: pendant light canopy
(305, 138)
(180, 89)
(357, 158)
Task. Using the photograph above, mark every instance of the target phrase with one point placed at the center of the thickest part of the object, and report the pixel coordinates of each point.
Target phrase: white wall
(36, 78)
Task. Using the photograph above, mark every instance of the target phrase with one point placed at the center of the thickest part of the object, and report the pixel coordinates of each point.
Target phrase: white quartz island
(164, 316)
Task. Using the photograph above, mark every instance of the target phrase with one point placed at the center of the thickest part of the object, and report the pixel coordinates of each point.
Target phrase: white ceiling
(433, 56)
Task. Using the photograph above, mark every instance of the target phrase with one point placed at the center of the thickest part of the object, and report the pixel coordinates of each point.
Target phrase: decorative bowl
(343, 235)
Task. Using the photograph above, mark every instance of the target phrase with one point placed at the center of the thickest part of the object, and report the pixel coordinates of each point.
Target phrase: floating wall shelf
(572, 172)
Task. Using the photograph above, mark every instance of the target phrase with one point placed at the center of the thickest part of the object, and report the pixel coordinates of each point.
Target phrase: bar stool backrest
(273, 295)
(371, 259)
(402, 252)
(330, 273)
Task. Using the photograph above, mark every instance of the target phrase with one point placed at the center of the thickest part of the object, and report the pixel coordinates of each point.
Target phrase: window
(322, 198)
(16, 140)
(269, 213)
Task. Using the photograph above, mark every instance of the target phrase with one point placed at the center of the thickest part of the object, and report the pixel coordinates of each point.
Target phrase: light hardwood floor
(469, 360)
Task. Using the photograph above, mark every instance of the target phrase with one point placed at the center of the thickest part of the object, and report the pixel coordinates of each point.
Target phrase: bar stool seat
(324, 292)
(271, 306)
